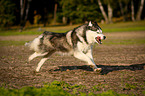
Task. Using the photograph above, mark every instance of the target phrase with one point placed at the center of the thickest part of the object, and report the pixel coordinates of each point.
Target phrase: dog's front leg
(40, 64)
(89, 54)
(80, 55)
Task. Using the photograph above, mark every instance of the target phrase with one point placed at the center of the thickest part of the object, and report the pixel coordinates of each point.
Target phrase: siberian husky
(77, 42)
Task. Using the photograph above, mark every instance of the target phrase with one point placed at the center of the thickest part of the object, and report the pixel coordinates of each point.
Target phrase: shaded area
(133, 67)
(105, 69)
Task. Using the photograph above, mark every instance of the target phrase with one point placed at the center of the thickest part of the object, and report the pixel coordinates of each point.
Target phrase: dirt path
(123, 67)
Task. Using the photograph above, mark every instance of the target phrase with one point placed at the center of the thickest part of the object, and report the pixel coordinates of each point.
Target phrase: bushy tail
(34, 45)
(28, 44)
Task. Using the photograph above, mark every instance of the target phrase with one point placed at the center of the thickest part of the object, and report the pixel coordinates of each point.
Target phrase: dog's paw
(95, 69)
(98, 70)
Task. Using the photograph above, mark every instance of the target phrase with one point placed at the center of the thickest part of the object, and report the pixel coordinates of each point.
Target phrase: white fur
(91, 35)
(90, 24)
(85, 57)
(40, 64)
(84, 51)
(34, 44)
(31, 57)
(68, 36)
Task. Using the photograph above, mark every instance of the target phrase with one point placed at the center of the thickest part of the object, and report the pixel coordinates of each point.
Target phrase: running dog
(77, 42)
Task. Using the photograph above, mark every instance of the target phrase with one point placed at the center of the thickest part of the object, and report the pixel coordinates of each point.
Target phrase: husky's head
(95, 32)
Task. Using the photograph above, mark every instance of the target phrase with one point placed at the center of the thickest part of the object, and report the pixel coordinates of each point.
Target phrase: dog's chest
(84, 47)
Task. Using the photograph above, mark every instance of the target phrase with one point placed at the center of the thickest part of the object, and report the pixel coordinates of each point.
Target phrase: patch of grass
(143, 92)
(47, 90)
(110, 93)
(14, 43)
(56, 88)
(124, 29)
(115, 27)
(129, 86)
(36, 31)
(124, 26)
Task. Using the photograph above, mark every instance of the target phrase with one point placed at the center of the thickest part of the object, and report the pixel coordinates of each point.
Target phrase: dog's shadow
(105, 69)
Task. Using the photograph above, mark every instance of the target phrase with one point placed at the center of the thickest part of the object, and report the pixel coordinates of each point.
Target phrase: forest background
(68, 12)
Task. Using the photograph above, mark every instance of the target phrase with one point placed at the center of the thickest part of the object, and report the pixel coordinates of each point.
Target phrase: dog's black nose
(104, 37)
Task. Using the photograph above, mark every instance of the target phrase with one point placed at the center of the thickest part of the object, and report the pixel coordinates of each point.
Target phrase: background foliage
(6, 13)
(67, 11)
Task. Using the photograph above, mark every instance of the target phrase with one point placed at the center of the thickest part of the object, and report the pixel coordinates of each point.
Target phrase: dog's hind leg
(46, 57)
(36, 54)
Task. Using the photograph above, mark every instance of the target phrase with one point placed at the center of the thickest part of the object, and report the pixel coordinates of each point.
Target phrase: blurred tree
(124, 9)
(110, 12)
(109, 3)
(132, 11)
(87, 10)
(103, 11)
(24, 9)
(138, 16)
(69, 9)
(6, 13)
(78, 11)
(55, 10)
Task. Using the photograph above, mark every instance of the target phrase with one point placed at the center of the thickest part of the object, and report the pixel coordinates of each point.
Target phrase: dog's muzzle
(104, 37)
(98, 39)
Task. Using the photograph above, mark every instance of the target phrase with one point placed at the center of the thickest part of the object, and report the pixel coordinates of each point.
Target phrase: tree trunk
(126, 12)
(24, 12)
(22, 8)
(122, 11)
(55, 10)
(138, 17)
(103, 11)
(132, 11)
(27, 10)
(110, 13)
(64, 20)
(45, 17)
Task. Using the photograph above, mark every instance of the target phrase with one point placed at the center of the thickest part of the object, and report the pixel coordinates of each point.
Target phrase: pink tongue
(99, 39)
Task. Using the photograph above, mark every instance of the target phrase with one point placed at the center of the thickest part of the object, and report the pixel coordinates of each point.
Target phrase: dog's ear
(95, 23)
(90, 24)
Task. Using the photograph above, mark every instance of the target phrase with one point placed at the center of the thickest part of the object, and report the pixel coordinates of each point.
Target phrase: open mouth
(98, 40)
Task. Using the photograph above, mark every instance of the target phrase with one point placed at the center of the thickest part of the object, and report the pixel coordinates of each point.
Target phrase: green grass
(54, 89)
(124, 26)
(124, 29)
(10, 43)
(115, 27)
